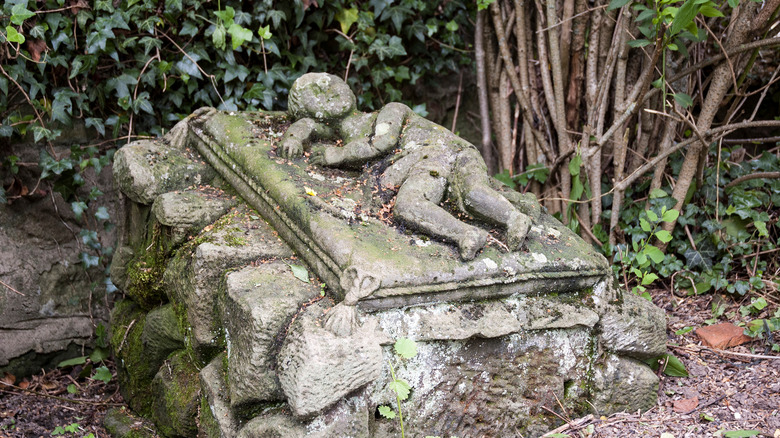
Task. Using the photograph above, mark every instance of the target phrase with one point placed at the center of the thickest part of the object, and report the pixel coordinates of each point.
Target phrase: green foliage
(103, 374)
(69, 429)
(669, 364)
(636, 261)
(726, 238)
(405, 349)
(155, 62)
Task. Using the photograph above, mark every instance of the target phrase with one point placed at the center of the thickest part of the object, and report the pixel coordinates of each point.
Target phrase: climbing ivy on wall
(134, 67)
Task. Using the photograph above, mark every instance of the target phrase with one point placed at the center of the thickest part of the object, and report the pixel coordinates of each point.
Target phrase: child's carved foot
(517, 230)
(471, 242)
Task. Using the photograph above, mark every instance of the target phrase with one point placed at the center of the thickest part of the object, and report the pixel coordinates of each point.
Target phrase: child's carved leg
(478, 198)
(417, 204)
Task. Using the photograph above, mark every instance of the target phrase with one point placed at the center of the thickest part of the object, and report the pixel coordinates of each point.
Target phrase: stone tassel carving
(342, 319)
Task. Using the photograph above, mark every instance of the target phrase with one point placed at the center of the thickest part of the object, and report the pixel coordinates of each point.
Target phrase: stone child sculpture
(428, 161)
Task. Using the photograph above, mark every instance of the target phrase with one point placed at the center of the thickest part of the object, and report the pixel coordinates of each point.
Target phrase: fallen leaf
(722, 335)
(24, 384)
(685, 405)
(8, 378)
(36, 48)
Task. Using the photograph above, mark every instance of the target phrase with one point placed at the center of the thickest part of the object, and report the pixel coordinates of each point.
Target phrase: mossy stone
(176, 397)
(134, 371)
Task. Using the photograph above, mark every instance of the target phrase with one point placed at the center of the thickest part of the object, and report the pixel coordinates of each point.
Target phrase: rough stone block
(635, 328)
(121, 424)
(146, 169)
(176, 397)
(258, 304)
(188, 211)
(134, 371)
(621, 384)
(193, 278)
(216, 417)
(489, 387)
(318, 368)
(161, 336)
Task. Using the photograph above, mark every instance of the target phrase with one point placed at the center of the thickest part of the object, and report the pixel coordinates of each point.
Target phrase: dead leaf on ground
(24, 384)
(685, 405)
(8, 378)
(36, 48)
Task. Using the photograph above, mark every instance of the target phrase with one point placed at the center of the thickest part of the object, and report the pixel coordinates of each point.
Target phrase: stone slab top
(340, 222)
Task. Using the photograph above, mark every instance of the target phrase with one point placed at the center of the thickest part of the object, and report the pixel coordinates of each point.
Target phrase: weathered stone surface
(193, 278)
(275, 425)
(134, 371)
(485, 319)
(121, 424)
(188, 211)
(637, 328)
(145, 169)
(351, 362)
(216, 417)
(259, 303)
(490, 387)
(161, 336)
(349, 418)
(410, 269)
(623, 384)
(176, 397)
(48, 302)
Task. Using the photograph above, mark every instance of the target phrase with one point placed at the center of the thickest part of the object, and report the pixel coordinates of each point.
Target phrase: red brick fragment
(723, 335)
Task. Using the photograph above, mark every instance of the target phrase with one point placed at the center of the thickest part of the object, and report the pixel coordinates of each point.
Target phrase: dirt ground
(725, 393)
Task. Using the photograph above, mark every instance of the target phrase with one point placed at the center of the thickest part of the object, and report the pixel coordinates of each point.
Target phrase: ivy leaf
(19, 13)
(699, 258)
(218, 37)
(645, 225)
(761, 227)
(405, 348)
(239, 34)
(78, 208)
(227, 15)
(13, 36)
(300, 273)
(386, 412)
(102, 214)
(265, 32)
(346, 18)
(401, 388)
(94, 122)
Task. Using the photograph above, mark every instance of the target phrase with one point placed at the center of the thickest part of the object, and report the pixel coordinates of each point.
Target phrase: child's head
(321, 96)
